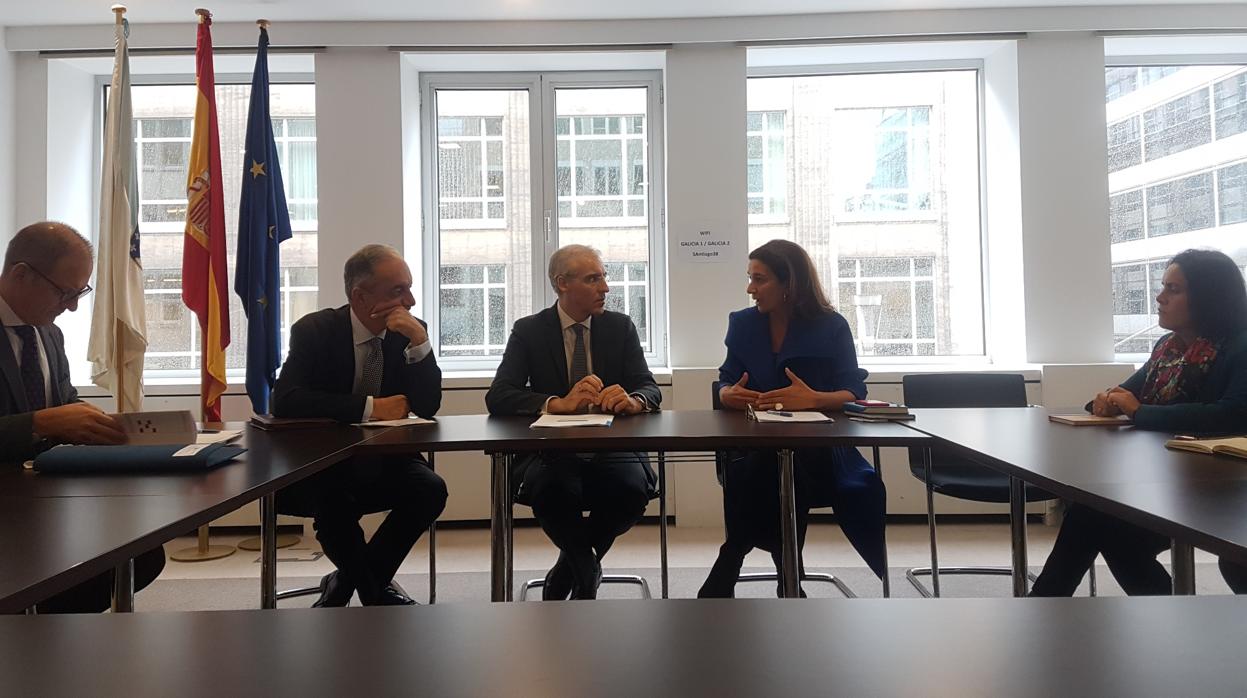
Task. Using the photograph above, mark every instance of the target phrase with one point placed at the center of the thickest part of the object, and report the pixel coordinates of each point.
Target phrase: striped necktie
(370, 379)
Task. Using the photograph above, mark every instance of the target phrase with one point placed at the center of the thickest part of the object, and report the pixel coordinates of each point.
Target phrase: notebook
(573, 420)
(1233, 446)
(1089, 420)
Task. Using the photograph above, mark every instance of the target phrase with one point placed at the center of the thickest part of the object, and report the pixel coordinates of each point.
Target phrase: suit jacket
(319, 373)
(819, 350)
(16, 418)
(1220, 407)
(534, 365)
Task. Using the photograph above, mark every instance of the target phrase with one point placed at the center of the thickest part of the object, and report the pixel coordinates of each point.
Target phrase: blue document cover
(132, 459)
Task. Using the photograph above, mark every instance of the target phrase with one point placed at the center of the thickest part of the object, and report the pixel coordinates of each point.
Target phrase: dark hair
(43, 244)
(360, 266)
(794, 269)
(1216, 292)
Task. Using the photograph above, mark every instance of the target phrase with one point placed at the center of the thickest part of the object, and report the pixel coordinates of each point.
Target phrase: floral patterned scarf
(1176, 372)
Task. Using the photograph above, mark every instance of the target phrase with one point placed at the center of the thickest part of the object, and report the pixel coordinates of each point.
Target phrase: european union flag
(263, 222)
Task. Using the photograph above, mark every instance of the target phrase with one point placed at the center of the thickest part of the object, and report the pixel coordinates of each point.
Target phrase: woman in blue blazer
(1195, 381)
(791, 351)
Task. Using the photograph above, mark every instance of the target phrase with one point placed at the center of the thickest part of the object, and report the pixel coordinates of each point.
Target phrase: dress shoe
(389, 596)
(586, 575)
(334, 591)
(558, 582)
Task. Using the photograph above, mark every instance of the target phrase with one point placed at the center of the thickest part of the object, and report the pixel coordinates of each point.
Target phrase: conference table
(59, 530)
(688, 647)
(659, 432)
(1195, 499)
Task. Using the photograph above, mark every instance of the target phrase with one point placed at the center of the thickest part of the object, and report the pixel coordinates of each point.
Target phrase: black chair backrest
(960, 390)
(965, 390)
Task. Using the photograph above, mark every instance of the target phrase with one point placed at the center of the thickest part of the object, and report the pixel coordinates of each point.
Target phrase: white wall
(359, 167)
(8, 142)
(1065, 248)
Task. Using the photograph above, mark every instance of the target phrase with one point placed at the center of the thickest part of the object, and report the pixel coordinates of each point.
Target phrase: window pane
(1177, 125)
(1125, 145)
(1183, 193)
(485, 228)
(886, 190)
(605, 203)
(163, 129)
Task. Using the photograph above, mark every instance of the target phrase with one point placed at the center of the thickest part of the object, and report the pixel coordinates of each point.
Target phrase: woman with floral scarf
(1195, 381)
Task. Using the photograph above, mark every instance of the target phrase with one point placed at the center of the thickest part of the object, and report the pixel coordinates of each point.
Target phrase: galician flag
(118, 320)
(205, 288)
(263, 223)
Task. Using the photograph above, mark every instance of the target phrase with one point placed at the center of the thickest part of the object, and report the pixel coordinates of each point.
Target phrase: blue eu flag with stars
(263, 223)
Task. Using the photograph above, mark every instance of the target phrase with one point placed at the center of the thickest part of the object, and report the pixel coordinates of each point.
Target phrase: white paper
(395, 422)
(189, 450)
(213, 437)
(772, 416)
(573, 420)
(158, 428)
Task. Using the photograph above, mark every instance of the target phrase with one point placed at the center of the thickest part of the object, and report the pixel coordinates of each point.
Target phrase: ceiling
(60, 12)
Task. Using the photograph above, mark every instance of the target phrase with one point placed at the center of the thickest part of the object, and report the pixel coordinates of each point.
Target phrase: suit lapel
(54, 367)
(554, 332)
(12, 376)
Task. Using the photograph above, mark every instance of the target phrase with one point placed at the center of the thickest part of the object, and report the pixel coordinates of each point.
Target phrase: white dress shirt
(10, 320)
(361, 336)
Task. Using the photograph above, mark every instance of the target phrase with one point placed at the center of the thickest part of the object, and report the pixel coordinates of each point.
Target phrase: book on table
(875, 407)
(1229, 446)
(1089, 420)
(861, 417)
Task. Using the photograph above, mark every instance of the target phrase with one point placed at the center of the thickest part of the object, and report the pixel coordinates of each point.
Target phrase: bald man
(46, 269)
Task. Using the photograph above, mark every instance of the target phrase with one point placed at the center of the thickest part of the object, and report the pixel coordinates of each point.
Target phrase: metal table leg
(935, 556)
(887, 585)
(123, 587)
(500, 506)
(1017, 525)
(432, 547)
(268, 550)
(662, 518)
(1183, 569)
(788, 524)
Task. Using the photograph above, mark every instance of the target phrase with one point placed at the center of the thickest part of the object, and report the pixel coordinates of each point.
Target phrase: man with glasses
(576, 356)
(46, 269)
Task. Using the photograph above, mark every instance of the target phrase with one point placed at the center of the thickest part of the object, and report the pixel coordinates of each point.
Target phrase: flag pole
(203, 551)
(119, 12)
(284, 540)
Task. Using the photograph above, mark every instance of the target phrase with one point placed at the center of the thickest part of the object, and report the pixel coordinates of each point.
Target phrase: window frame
(938, 65)
(543, 165)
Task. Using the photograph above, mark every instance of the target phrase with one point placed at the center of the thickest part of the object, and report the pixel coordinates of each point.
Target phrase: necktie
(370, 380)
(32, 372)
(580, 357)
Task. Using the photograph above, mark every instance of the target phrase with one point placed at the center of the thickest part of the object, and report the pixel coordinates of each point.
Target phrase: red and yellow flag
(204, 284)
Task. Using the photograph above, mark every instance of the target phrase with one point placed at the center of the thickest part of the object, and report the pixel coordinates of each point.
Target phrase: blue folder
(131, 459)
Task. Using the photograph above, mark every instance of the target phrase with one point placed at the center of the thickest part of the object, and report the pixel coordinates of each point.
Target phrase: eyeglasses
(67, 295)
(589, 279)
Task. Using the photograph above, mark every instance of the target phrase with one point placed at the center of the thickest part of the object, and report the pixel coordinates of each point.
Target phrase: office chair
(960, 477)
(308, 591)
(662, 547)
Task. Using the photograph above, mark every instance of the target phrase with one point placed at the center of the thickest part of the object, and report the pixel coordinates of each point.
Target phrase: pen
(781, 414)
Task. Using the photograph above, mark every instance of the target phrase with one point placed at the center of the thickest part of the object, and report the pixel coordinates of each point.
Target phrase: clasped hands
(1113, 402)
(795, 396)
(589, 391)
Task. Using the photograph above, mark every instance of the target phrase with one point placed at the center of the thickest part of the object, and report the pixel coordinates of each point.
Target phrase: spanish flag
(204, 284)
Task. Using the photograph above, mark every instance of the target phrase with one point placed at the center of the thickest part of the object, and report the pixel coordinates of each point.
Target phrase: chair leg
(432, 550)
(606, 579)
(806, 577)
(662, 520)
(887, 582)
(935, 557)
(1091, 591)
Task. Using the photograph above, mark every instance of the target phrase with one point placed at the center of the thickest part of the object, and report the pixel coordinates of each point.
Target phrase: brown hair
(793, 268)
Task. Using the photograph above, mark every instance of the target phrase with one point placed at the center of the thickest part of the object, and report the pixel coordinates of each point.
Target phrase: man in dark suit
(573, 357)
(46, 269)
(370, 359)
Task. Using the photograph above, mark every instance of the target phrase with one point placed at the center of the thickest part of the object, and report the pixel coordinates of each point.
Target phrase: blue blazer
(820, 351)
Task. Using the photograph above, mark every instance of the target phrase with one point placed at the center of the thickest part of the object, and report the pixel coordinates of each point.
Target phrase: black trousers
(1235, 575)
(96, 594)
(613, 487)
(336, 499)
(1129, 550)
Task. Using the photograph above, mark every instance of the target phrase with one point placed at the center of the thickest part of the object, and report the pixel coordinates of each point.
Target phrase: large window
(880, 185)
(525, 164)
(1177, 175)
(163, 120)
